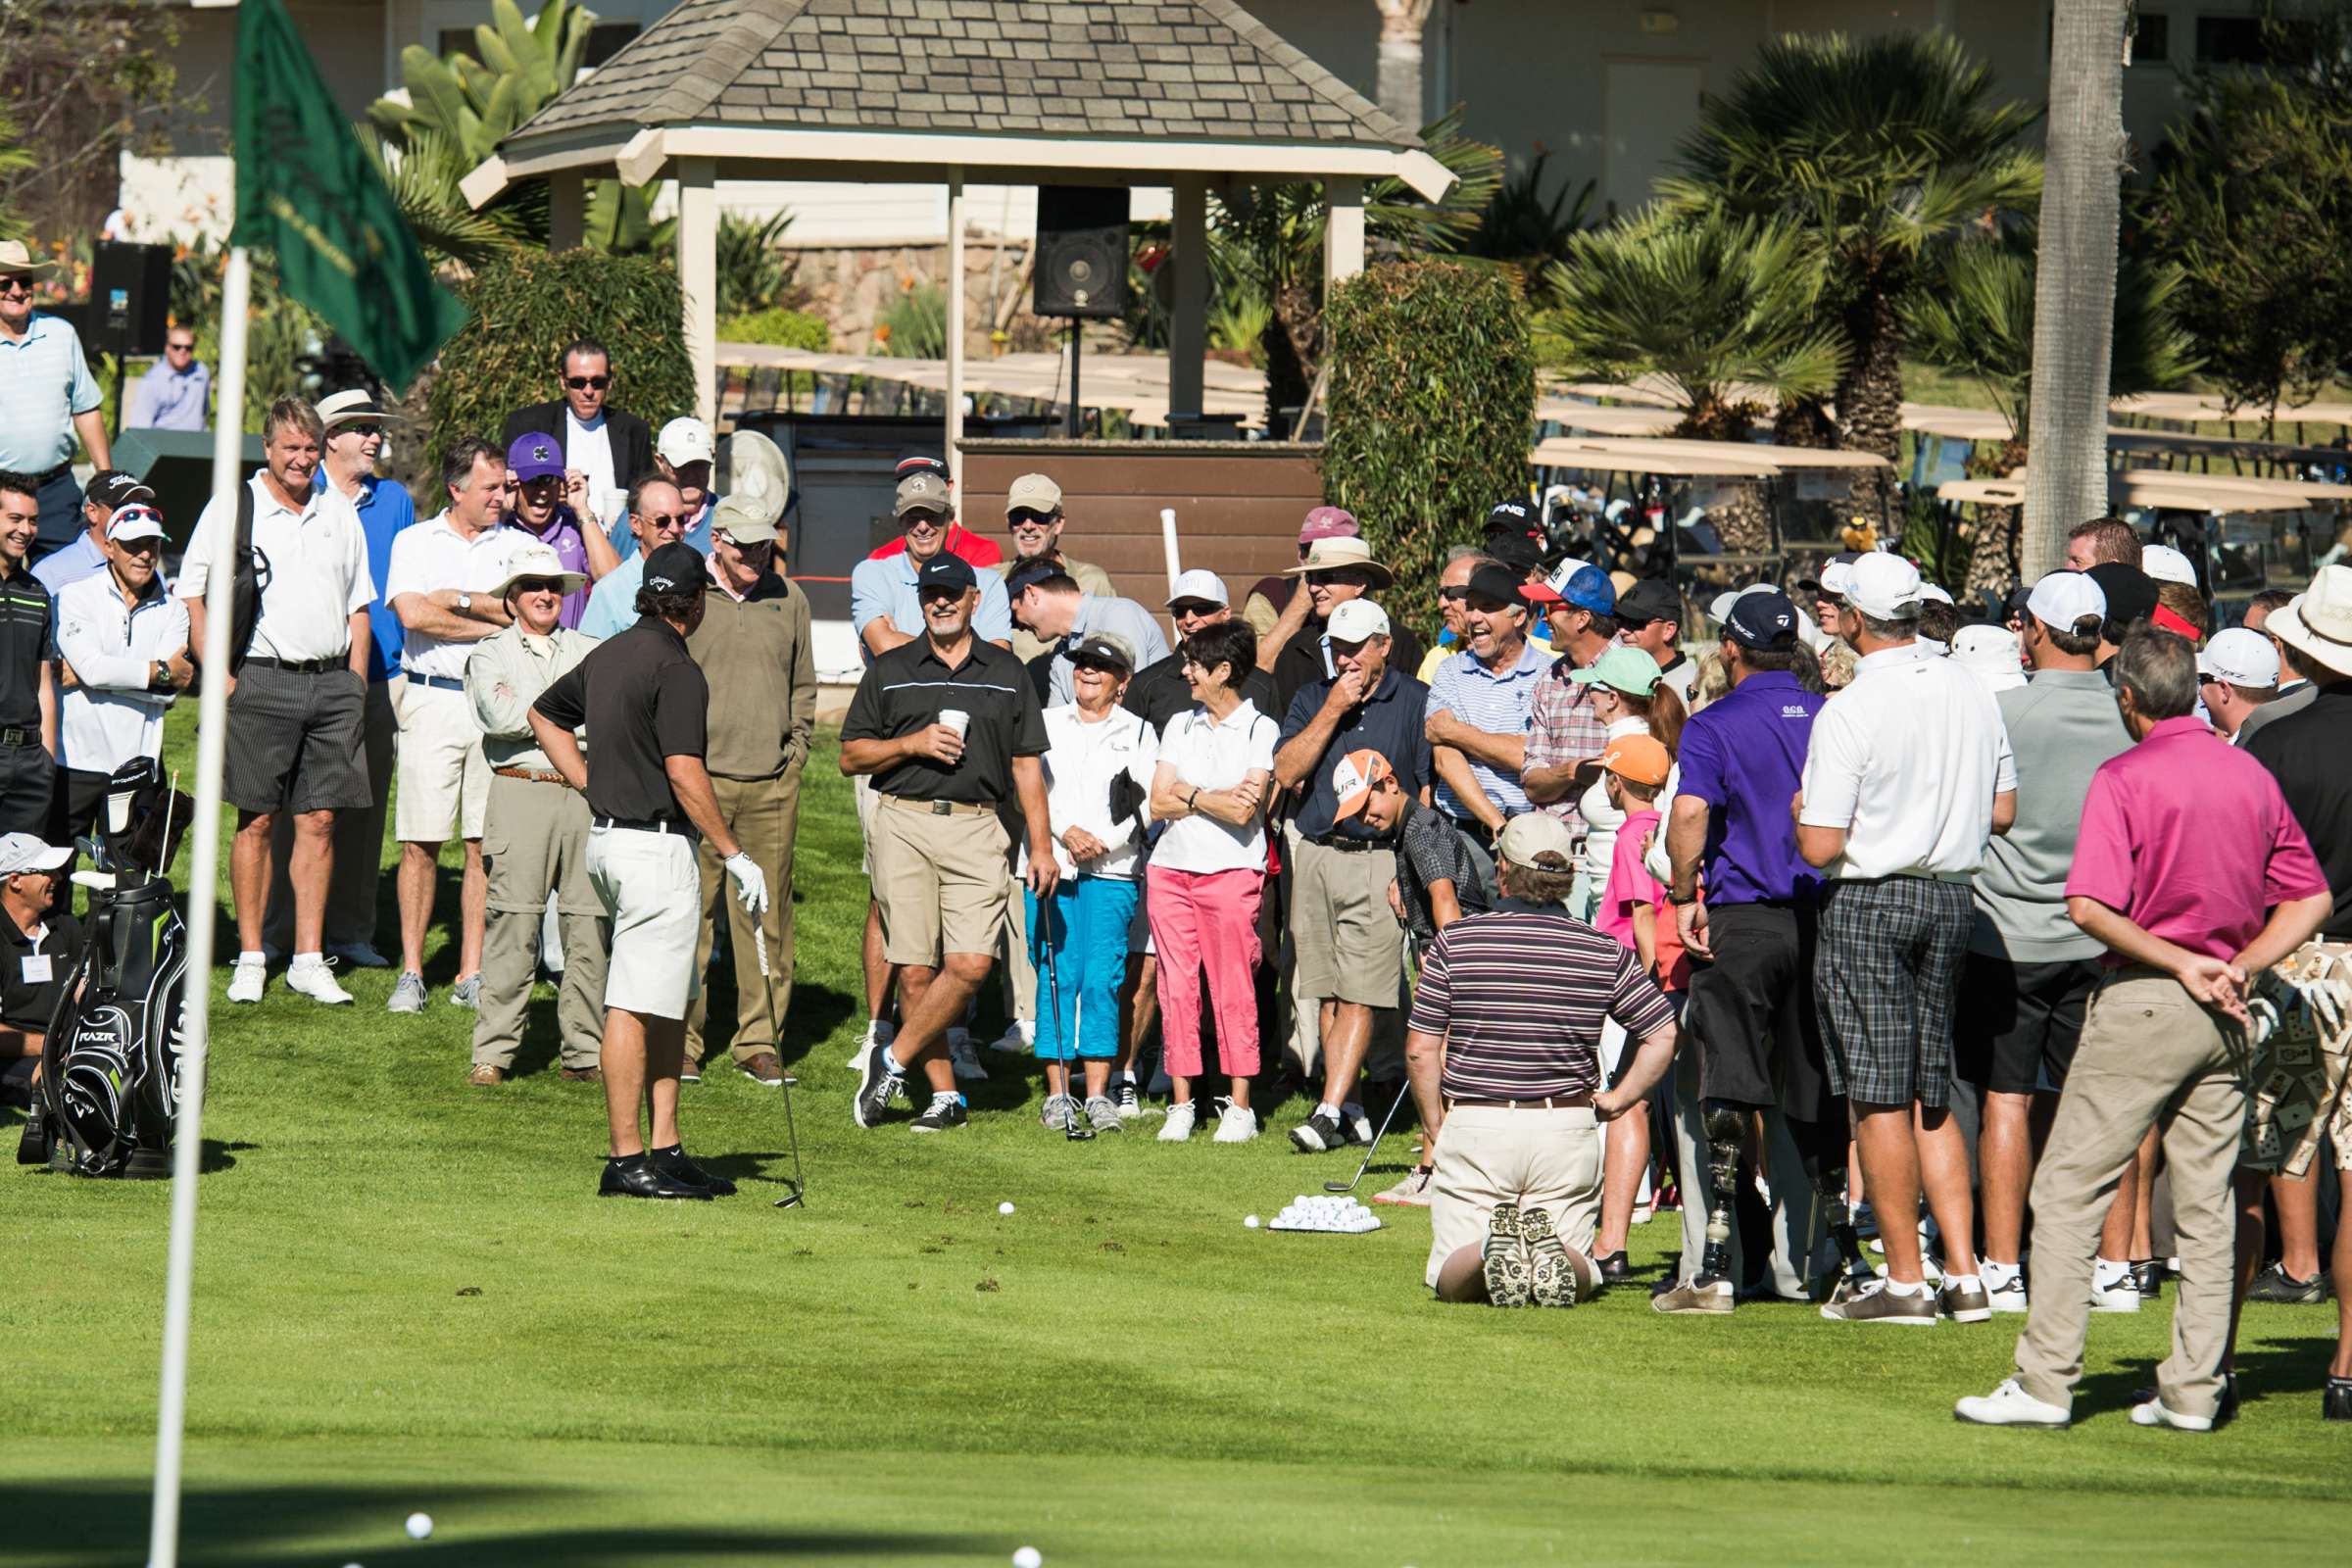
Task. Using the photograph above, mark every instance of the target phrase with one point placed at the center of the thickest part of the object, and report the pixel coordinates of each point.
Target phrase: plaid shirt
(1563, 730)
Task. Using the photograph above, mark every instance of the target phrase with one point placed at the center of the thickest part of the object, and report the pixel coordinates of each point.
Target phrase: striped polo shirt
(1497, 702)
(45, 380)
(1520, 1000)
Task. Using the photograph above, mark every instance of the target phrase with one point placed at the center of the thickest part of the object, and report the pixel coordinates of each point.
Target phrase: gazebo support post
(955, 332)
(566, 210)
(1343, 233)
(698, 277)
(1188, 327)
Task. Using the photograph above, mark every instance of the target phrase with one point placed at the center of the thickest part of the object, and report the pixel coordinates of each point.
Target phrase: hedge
(1432, 404)
(777, 329)
(521, 312)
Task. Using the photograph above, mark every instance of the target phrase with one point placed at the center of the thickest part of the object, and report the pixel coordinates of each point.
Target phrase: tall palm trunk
(1401, 23)
(2073, 288)
(1870, 396)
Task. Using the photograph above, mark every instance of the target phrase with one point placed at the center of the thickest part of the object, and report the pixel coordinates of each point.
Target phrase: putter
(1077, 1130)
(1348, 1186)
(797, 1193)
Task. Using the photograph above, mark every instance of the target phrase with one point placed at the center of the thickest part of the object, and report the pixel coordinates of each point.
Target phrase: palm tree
(1981, 325)
(1401, 23)
(1872, 149)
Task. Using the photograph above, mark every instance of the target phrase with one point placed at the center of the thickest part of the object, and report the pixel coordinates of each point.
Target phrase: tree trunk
(1992, 561)
(1401, 23)
(2074, 286)
(1870, 404)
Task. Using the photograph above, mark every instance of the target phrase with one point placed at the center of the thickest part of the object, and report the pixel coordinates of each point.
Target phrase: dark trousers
(28, 783)
(61, 516)
(81, 797)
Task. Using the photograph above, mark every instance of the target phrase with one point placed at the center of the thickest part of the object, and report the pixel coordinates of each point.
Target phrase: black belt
(304, 666)
(15, 738)
(1472, 826)
(439, 683)
(1346, 846)
(58, 473)
(648, 824)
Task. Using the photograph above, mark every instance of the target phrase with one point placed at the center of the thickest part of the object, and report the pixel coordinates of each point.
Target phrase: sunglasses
(1193, 609)
(360, 429)
(665, 521)
(922, 519)
(581, 383)
(1112, 671)
(15, 285)
(179, 348)
(539, 585)
(1030, 519)
(1449, 596)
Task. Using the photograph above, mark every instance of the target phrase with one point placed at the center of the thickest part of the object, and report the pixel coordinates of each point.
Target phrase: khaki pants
(359, 870)
(1530, 1157)
(2150, 1054)
(764, 816)
(1021, 969)
(534, 842)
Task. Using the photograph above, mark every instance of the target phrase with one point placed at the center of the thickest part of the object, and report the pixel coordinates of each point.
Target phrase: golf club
(797, 1196)
(1348, 1186)
(1077, 1130)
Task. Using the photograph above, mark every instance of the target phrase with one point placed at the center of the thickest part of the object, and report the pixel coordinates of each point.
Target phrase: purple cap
(1327, 523)
(535, 457)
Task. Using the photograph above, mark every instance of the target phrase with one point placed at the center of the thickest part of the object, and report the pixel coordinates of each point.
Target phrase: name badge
(36, 968)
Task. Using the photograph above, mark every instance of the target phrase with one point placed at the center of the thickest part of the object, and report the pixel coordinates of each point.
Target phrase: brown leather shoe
(762, 1066)
(583, 1075)
(486, 1077)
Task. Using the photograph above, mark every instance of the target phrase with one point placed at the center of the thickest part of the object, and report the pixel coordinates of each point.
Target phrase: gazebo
(1192, 96)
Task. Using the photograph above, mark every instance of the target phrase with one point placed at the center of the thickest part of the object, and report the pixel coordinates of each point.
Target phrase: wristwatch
(464, 604)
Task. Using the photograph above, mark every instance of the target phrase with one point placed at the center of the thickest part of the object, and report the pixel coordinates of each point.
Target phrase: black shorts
(73, 812)
(2018, 1022)
(1751, 1010)
(294, 740)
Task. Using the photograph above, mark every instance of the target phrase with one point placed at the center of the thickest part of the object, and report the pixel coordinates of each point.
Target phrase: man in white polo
(442, 587)
(125, 641)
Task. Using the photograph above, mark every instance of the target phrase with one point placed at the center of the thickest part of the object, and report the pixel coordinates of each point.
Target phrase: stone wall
(854, 289)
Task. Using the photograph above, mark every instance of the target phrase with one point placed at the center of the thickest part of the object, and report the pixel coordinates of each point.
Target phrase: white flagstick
(204, 875)
(1167, 545)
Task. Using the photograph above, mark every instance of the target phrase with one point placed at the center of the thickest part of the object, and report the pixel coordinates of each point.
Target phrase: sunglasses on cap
(581, 383)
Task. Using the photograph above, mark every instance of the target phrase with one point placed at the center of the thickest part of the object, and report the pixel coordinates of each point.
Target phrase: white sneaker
(1017, 1040)
(1179, 1125)
(878, 1032)
(2154, 1413)
(1640, 1214)
(965, 1056)
(1356, 1125)
(2011, 1406)
(246, 978)
(2120, 1297)
(2009, 1298)
(1235, 1124)
(316, 981)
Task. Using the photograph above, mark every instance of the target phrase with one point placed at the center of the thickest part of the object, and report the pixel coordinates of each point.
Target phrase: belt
(535, 776)
(647, 824)
(14, 737)
(301, 666)
(1576, 1101)
(1472, 826)
(439, 683)
(907, 803)
(58, 473)
(1344, 845)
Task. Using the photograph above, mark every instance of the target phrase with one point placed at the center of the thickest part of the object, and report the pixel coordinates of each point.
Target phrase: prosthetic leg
(1722, 1124)
(1829, 1184)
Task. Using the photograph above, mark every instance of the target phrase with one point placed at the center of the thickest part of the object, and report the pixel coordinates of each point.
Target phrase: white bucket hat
(2318, 622)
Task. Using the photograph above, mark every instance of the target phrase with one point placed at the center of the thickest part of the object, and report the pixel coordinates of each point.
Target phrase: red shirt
(2190, 839)
(962, 541)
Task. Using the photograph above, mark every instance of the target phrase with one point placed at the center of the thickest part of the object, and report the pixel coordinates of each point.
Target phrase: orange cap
(1638, 757)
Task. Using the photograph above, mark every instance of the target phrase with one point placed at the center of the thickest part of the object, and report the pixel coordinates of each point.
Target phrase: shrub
(524, 309)
(1432, 408)
(779, 329)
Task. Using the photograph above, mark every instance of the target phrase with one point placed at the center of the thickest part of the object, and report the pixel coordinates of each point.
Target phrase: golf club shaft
(800, 1187)
(1374, 1147)
(1066, 1051)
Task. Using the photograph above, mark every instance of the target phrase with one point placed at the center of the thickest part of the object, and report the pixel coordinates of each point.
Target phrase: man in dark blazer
(605, 449)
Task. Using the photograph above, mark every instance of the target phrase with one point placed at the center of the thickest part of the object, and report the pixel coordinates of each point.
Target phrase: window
(2152, 40)
(453, 40)
(2231, 41)
(605, 40)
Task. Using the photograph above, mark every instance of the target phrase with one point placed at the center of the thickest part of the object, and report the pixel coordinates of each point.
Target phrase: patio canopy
(1194, 96)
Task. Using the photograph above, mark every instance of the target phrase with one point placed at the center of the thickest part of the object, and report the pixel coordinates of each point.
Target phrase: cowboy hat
(16, 259)
(537, 560)
(2318, 622)
(1330, 555)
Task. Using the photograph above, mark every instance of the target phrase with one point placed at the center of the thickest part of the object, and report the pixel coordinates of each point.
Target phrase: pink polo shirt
(2190, 838)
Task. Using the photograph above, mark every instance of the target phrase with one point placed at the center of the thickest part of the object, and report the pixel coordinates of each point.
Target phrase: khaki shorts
(1340, 924)
(940, 880)
(444, 780)
(861, 791)
(1528, 1157)
(652, 893)
(2299, 1089)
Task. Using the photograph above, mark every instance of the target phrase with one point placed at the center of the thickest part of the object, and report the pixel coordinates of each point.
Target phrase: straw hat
(2318, 622)
(1329, 554)
(537, 560)
(16, 258)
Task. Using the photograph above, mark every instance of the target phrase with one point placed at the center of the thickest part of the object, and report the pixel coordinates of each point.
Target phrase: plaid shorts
(2300, 1091)
(1886, 976)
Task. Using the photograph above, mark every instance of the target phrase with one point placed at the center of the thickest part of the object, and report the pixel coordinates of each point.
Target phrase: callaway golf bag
(109, 1092)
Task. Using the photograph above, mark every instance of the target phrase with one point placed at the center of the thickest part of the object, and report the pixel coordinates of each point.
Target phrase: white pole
(956, 313)
(204, 877)
(1167, 545)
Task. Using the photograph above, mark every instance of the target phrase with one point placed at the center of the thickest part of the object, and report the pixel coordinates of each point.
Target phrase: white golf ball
(421, 1525)
(1027, 1557)
(1004, 1209)
(1251, 1222)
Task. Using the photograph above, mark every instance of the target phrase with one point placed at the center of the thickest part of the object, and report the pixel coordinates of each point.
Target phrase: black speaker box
(1081, 252)
(130, 298)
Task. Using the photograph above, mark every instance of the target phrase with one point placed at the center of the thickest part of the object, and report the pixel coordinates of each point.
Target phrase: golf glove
(751, 883)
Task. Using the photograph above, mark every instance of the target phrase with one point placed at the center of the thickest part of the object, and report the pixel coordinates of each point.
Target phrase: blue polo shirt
(625, 537)
(1389, 722)
(45, 380)
(885, 586)
(1497, 702)
(1744, 754)
(384, 509)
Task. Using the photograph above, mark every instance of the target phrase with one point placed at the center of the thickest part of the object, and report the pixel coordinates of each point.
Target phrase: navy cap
(1516, 551)
(1649, 599)
(2131, 595)
(946, 570)
(676, 568)
(1035, 570)
(1766, 621)
(111, 487)
(1500, 584)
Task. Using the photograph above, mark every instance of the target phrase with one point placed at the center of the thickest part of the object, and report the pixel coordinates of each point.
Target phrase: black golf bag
(109, 1093)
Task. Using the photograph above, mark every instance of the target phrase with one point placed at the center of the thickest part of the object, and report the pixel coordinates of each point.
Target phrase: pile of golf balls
(1325, 1212)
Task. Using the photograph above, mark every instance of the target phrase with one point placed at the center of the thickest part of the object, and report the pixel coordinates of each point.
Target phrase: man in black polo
(1350, 952)
(28, 686)
(645, 700)
(947, 726)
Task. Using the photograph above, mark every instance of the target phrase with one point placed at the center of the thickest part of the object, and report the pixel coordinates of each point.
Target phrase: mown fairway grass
(1117, 1373)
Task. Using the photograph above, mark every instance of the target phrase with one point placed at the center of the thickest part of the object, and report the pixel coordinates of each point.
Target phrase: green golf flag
(309, 190)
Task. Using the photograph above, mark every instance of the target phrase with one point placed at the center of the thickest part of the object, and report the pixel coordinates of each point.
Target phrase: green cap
(1621, 668)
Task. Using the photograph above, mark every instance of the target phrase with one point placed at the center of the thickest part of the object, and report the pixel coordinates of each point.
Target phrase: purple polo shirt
(1744, 754)
(564, 535)
(2190, 838)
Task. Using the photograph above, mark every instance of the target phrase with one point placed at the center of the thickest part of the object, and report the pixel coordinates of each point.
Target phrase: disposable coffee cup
(957, 720)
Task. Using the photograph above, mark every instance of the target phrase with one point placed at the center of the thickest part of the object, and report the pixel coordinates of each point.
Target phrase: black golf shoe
(878, 1080)
(636, 1177)
(2337, 1403)
(673, 1163)
(1319, 1134)
(946, 1114)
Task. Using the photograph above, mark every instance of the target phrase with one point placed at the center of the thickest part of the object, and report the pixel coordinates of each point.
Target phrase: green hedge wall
(1431, 406)
(524, 309)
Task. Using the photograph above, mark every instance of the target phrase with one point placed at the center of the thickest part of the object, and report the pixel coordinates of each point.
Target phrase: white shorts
(444, 780)
(653, 894)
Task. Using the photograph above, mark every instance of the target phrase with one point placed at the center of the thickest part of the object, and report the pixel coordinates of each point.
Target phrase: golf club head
(790, 1082)
(1077, 1132)
(1338, 1186)
(792, 1199)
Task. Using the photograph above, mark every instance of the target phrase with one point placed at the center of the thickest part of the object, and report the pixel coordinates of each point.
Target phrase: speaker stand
(1075, 426)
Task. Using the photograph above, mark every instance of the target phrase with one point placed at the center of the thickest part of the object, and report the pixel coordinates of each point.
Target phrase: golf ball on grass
(1250, 1221)
(1027, 1557)
(420, 1526)
(1004, 1209)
